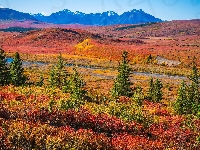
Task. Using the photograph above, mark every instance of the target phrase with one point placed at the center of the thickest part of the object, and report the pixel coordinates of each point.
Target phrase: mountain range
(9, 14)
(68, 17)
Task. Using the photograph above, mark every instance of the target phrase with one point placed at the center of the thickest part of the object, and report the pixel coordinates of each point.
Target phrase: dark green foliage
(51, 103)
(70, 104)
(193, 90)
(182, 105)
(17, 76)
(4, 71)
(40, 82)
(75, 85)
(157, 97)
(188, 100)
(151, 89)
(52, 77)
(122, 83)
(75, 88)
(149, 59)
(155, 90)
(58, 74)
(194, 75)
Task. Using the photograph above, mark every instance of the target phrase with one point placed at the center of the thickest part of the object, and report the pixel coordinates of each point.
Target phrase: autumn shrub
(96, 97)
(138, 95)
(70, 104)
(24, 135)
(3, 140)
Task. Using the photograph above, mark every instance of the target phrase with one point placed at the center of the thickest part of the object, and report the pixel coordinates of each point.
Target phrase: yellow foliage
(85, 45)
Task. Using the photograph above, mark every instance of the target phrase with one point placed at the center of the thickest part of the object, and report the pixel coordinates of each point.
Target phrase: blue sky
(163, 9)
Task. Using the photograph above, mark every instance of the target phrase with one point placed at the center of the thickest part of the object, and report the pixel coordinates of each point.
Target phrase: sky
(163, 9)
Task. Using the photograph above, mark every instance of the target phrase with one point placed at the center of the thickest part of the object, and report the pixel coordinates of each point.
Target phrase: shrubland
(67, 107)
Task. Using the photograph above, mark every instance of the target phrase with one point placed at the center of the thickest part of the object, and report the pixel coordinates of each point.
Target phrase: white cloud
(1, 6)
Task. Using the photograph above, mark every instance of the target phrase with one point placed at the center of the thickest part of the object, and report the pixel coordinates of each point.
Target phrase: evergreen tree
(157, 96)
(4, 71)
(76, 84)
(182, 104)
(122, 83)
(194, 77)
(151, 89)
(41, 81)
(58, 74)
(193, 90)
(52, 77)
(155, 90)
(17, 76)
(188, 99)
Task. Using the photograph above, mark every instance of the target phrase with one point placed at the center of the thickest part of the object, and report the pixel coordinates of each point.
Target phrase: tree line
(187, 102)
(13, 73)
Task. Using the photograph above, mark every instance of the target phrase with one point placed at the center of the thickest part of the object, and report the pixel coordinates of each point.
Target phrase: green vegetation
(138, 95)
(65, 116)
(41, 81)
(58, 75)
(4, 70)
(17, 76)
(188, 100)
(122, 83)
(75, 85)
(155, 90)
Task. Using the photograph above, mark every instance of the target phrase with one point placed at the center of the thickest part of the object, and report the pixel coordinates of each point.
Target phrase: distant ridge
(105, 18)
(68, 17)
(10, 14)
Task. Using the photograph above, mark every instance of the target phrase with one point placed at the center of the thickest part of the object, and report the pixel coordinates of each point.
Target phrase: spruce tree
(157, 96)
(76, 84)
(188, 99)
(151, 89)
(182, 104)
(122, 83)
(41, 81)
(4, 72)
(193, 90)
(52, 77)
(155, 90)
(17, 76)
(194, 77)
(58, 74)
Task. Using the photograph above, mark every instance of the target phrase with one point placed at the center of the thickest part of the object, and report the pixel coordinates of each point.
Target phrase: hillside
(176, 40)
(164, 29)
(5, 24)
(47, 40)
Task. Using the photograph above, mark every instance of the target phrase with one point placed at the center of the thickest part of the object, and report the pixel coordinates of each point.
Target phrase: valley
(105, 86)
